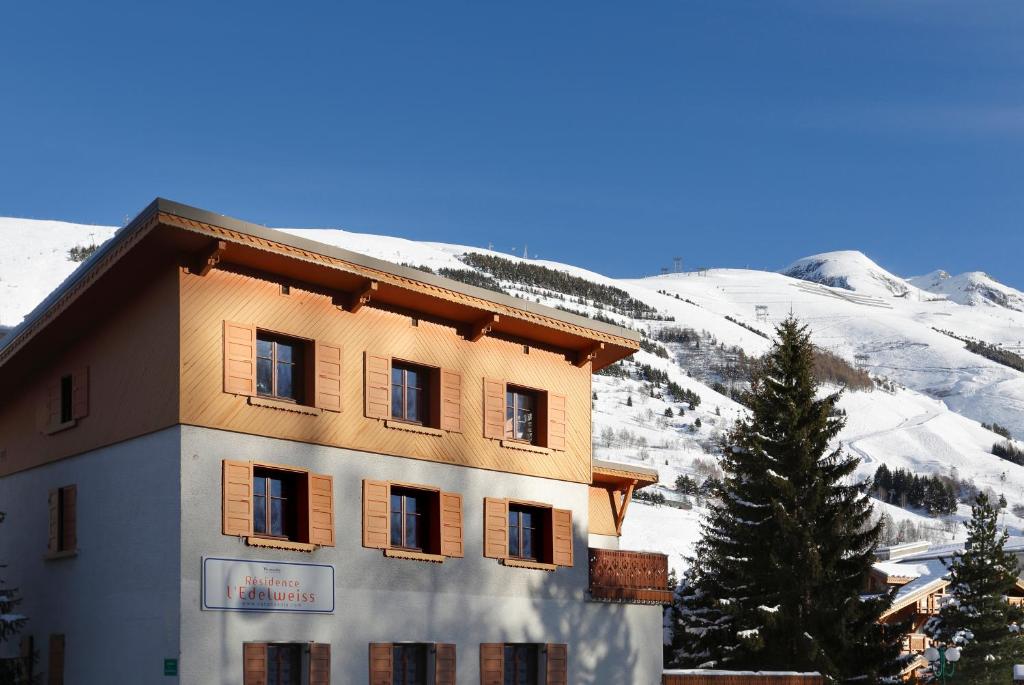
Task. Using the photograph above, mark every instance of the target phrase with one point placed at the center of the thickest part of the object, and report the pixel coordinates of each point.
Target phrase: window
(279, 367)
(275, 504)
(65, 399)
(410, 516)
(63, 534)
(525, 525)
(410, 389)
(522, 664)
(410, 664)
(520, 414)
(412, 522)
(55, 667)
(284, 664)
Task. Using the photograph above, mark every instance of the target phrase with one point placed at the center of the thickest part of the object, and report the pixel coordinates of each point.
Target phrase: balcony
(916, 642)
(630, 577)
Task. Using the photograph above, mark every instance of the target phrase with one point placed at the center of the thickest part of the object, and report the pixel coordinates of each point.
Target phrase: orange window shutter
(254, 663)
(239, 358)
(444, 664)
(237, 493)
(492, 663)
(321, 509)
(328, 376)
(69, 517)
(451, 401)
(319, 664)
(494, 409)
(557, 664)
(561, 525)
(556, 421)
(381, 665)
(495, 528)
(55, 670)
(80, 393)
(53, 539)
(378, 386)
(451, 524)
(376, 518)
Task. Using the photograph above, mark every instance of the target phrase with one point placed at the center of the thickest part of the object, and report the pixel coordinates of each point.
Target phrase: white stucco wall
(463, 601)
(117, 600)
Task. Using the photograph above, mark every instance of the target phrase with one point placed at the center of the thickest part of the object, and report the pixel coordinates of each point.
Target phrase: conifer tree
(12, 670)
(785, 551)
(976, 614)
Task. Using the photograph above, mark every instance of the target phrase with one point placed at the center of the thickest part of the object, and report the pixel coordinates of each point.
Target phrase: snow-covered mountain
(971, 288)
(924, 415)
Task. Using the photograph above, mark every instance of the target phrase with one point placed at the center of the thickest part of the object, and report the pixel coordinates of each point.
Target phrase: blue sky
(609, 135)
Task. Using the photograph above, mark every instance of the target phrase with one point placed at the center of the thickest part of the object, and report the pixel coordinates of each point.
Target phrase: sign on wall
(250, 585)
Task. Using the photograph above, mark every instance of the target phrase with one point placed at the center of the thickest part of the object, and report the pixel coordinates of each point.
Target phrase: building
(230, 455)
(919, 573)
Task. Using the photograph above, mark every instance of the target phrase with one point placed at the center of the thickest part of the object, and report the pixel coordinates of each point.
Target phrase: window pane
(396, 528)
(259, 486)
(412, 530)
(396, 401)
(513, 541)
(412, 405)
(276, 517)
(275, 487)
(527, 519)
(396, 375)
(264, 376)
(285, 352)
(284, 381)
(396, 503)
(510, 664)
(528, 550)
(411, 505)
(264, 348)
(259, 510)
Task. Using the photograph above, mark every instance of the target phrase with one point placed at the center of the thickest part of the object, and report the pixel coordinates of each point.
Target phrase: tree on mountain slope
(976, 614)
(785, 552)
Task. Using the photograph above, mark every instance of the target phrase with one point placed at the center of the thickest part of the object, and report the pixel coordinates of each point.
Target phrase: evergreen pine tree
(785, 551)
(13, 670)
(976, 614)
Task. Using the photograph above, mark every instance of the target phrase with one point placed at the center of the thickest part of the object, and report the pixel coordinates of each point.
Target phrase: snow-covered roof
(926, 577)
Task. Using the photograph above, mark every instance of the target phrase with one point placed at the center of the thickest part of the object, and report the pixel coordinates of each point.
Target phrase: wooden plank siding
(130, 351)
(224, 295)
(602, 511)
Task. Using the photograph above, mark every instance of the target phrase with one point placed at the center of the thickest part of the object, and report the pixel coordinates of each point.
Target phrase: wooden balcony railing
(635, 577)
(916, 642)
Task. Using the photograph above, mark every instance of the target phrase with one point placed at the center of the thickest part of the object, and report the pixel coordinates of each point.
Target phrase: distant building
(230, 455)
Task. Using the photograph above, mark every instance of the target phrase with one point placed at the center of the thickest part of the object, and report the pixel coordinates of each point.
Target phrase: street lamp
(947, 658)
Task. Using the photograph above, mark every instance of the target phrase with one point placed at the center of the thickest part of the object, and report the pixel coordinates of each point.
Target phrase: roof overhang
(912, 597)
(201, 239)
(620, 476)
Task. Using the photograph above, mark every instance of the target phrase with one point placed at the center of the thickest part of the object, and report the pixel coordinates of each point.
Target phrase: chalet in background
(230, 455)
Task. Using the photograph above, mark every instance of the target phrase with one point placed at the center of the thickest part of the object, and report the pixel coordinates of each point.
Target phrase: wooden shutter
(495, 528)
(381, 666)
(321, 509)
(451, 401)
(451, 524)
(492, 663)
(237, 498)
(557, 664)
(80, 393)
(556, 421)
(444, 664)
(53, 539)
(55, 665)
(69, 517)
(376, 517)
(328, 376)
(378, 386)
(254, 663)
(562, 538)
(494, 409)
(319, 664)
(239, 358)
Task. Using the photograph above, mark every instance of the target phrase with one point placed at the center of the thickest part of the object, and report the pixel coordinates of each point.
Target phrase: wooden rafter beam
(209, 258)
(588, 355)
(482, 327)
(361, 297)
(620, 515)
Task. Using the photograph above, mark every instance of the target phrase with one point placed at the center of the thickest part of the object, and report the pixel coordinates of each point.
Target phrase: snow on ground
(854, 307)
